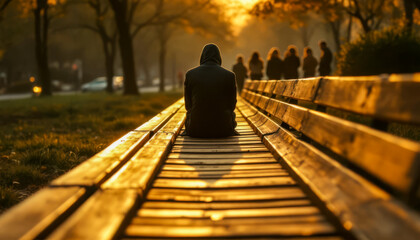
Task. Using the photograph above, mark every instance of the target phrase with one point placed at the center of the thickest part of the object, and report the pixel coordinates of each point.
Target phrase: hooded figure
(210, 97)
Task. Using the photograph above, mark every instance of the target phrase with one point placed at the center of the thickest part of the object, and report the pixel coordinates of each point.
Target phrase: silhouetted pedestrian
(325, 60)
(210, 97)
(309, 63)
(274, 64)
(240, 72)
(291, 63)
(256, 66)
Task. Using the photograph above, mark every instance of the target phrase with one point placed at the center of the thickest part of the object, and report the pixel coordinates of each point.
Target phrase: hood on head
(211, 53)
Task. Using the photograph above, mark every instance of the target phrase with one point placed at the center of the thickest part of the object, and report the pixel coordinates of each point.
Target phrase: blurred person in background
(241, 72)
(309, 63)
(291, 63)
(256, 66)
(325, 60)
(274, 64)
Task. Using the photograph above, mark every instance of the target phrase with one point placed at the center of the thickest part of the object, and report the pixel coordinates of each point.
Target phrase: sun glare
(238, 11)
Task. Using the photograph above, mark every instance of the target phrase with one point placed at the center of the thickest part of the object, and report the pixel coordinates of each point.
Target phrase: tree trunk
(41, 46)
(349, 28)
(335, 29)
(162, 59)
(109, 52)
(126, 47)
(163, 39)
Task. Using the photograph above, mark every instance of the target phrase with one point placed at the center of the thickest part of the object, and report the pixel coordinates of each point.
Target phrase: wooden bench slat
(389, 158)
(220, 161)
(217, 195)
(137, 173)
(31, 218)
(269, 87)
(360, 206)
(224, 174)
(302, 89)
(226, 205)
(224, 183)
(261, 85)
(100, 217)
(220, 167)
(221, 155)
(388, 100)
(161, 118)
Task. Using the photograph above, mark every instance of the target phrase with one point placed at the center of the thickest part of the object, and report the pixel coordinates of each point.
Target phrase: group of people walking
(287, 67)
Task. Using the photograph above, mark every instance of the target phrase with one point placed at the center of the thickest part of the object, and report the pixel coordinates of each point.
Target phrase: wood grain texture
(301, 89)
(361, 207)
(99, 217)
(224, 183)
(217, 195)
(138, 172)
(161, 118)
(30, 218)
(373, 96)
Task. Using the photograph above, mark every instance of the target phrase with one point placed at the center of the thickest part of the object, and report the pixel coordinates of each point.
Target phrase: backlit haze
(237, 10)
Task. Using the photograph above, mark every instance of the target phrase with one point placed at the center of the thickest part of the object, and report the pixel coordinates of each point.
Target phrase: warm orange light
(32, 79)
(37, 90)
(238, 11)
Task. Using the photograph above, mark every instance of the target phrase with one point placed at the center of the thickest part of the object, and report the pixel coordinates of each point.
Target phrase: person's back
(325, 60)
(240, 72)
(274, 65)
(309, 63)
(291, 64)
(210, 97)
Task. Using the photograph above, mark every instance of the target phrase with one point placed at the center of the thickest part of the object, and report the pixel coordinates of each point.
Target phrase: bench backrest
(393, 160)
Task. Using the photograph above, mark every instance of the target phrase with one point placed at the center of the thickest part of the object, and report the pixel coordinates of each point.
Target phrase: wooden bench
(294, 172)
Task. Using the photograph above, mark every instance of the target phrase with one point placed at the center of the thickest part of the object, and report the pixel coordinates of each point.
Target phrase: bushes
(388, 51)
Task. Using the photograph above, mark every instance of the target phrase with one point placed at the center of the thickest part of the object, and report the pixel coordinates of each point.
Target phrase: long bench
(295, 171)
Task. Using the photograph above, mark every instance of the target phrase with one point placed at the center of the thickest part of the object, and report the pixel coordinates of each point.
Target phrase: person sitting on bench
(210, 97)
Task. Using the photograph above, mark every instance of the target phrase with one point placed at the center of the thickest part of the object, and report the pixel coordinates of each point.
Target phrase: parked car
(99, 84)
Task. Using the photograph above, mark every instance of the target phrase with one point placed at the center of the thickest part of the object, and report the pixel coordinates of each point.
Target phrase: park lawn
(42, 138)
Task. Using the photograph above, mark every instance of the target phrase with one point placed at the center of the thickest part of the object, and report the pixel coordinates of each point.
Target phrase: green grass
(42, 138)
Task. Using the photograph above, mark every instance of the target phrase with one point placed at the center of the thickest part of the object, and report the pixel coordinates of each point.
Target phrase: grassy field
(42, 138)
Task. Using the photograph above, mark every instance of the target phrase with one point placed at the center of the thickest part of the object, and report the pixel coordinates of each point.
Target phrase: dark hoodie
(210, 97)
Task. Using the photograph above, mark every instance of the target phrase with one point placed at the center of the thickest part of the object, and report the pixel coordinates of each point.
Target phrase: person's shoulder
(227, 71)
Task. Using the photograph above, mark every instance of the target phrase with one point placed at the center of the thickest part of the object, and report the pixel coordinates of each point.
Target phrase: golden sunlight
(238, 11)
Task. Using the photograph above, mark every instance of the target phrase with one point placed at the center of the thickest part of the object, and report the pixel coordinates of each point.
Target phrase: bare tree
(124, 11)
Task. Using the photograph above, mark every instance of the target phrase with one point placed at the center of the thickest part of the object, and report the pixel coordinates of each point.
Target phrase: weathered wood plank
(161, 118)
(261, 85)
(100, 217)
(231, 231)
(362, 208)
(220, 167)
(238, 149)
(388, 100)
(215, 195)
(216, 161)
(269, 87)
(226, 205)
(224, 174)
(389, 158)
(220, 155)
(43, 209)
(392, 159)
(217, 143)
(227, 213)
(224, 183)
(302, 89)
(138, 172)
